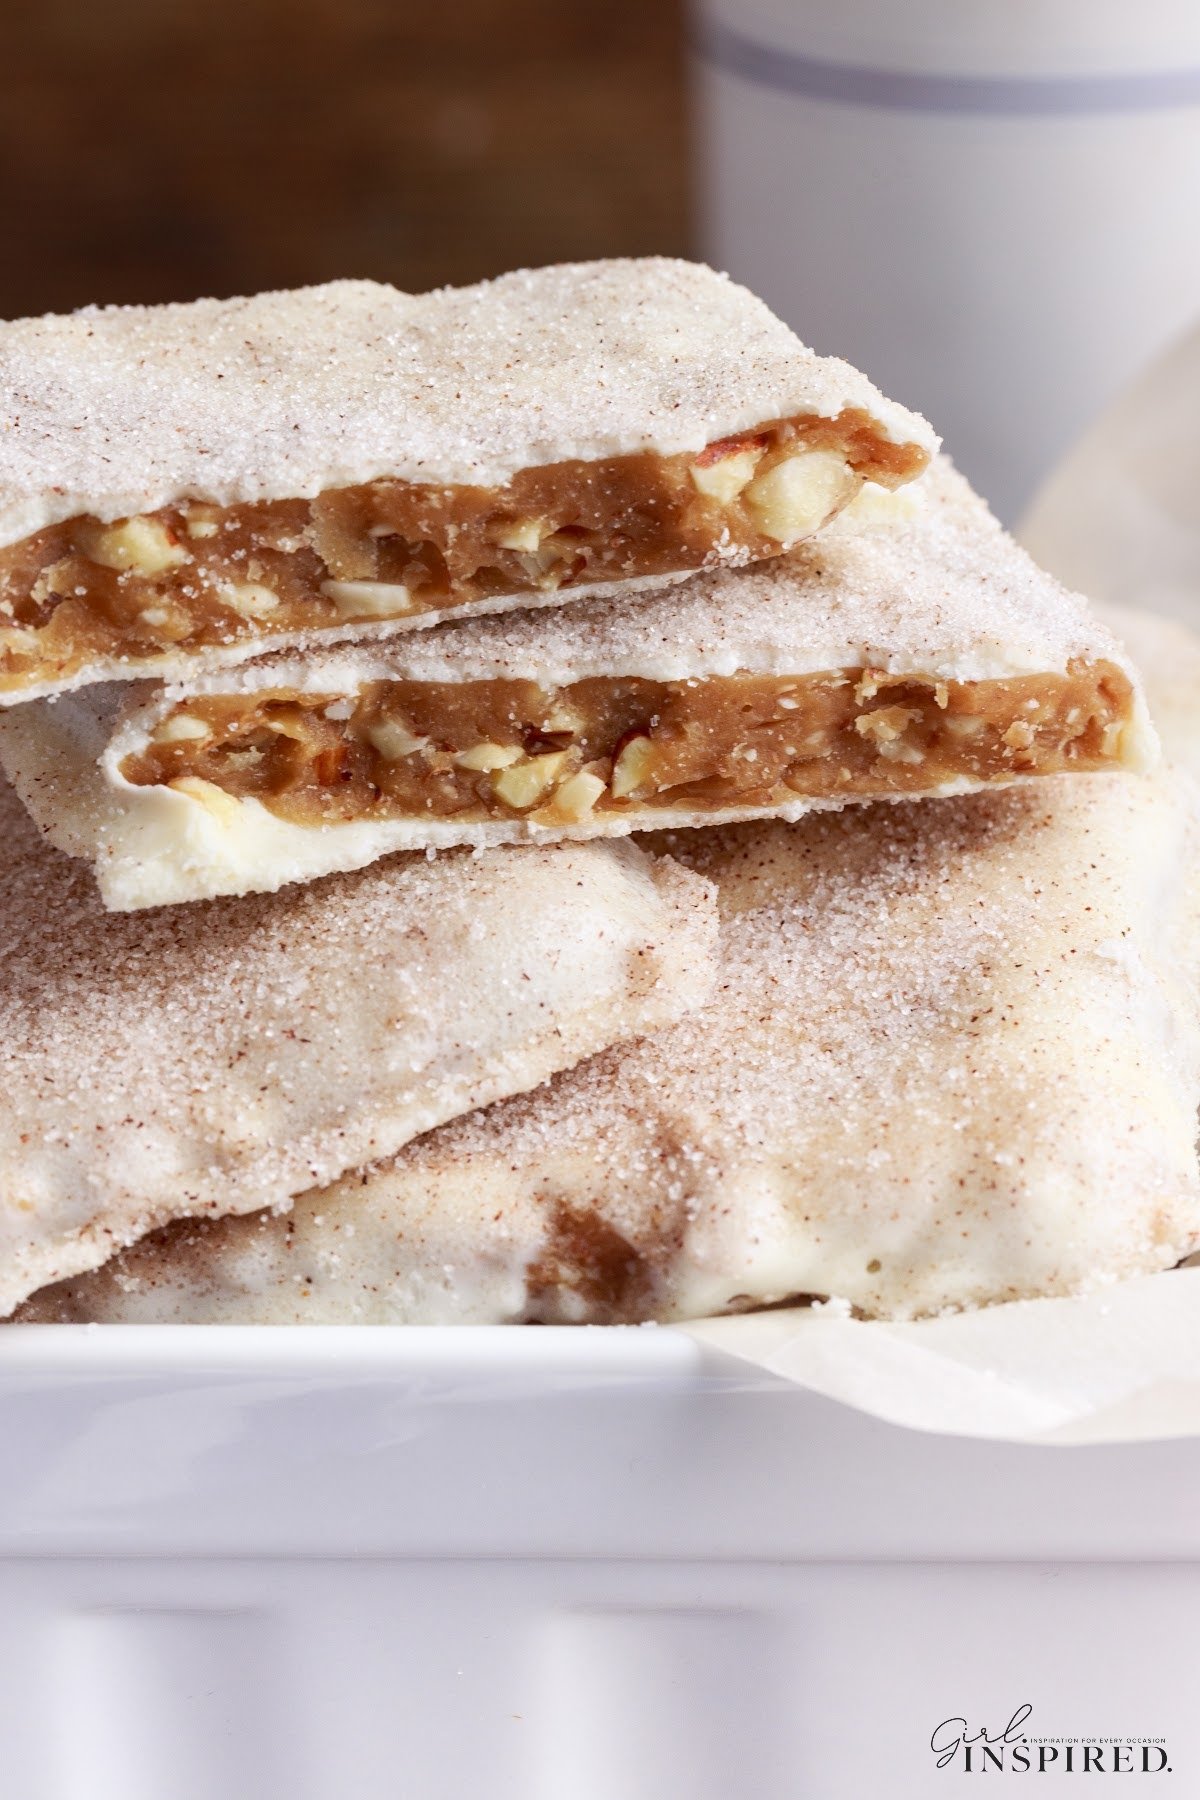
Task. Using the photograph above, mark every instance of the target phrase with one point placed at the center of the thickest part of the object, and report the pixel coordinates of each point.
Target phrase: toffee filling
(485, 750)
(196, 576)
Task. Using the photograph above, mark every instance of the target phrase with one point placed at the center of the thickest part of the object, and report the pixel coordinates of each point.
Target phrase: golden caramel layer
(481, 750)
(195, 576)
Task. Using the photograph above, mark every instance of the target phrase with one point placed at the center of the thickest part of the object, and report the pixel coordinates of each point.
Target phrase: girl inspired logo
(952, 1738)
(1013, 1751)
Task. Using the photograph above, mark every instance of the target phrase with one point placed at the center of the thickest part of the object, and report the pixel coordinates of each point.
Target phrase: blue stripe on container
(995, 96)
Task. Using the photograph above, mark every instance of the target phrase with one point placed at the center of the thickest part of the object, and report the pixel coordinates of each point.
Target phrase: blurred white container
(1119, 517)
(548, 1565)
(991, 207)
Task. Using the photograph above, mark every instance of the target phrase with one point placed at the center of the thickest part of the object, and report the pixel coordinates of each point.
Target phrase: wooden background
(161, 149)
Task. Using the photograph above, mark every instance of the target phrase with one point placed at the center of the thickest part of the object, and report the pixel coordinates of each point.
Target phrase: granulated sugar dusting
(121, 410)
(948, 1001)
(221, 1056)
(952, 1059)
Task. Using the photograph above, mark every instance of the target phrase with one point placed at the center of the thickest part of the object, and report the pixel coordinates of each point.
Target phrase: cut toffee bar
(212, 479)
(919, 654)
(1167, 655)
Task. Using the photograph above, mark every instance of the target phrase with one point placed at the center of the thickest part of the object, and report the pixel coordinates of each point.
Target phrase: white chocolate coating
(218, 1058)
(953, 1059)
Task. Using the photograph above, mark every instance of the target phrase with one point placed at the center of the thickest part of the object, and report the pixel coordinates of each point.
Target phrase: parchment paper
(1117, 1365)
(1120, 520)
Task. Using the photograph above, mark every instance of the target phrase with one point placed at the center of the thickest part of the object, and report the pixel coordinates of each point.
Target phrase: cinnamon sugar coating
(953, 1058)
(215, 1058)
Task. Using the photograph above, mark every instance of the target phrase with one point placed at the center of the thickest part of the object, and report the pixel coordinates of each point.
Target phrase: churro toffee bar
(206, 481)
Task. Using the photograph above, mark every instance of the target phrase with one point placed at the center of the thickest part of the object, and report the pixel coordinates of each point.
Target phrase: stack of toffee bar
(550, 801)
